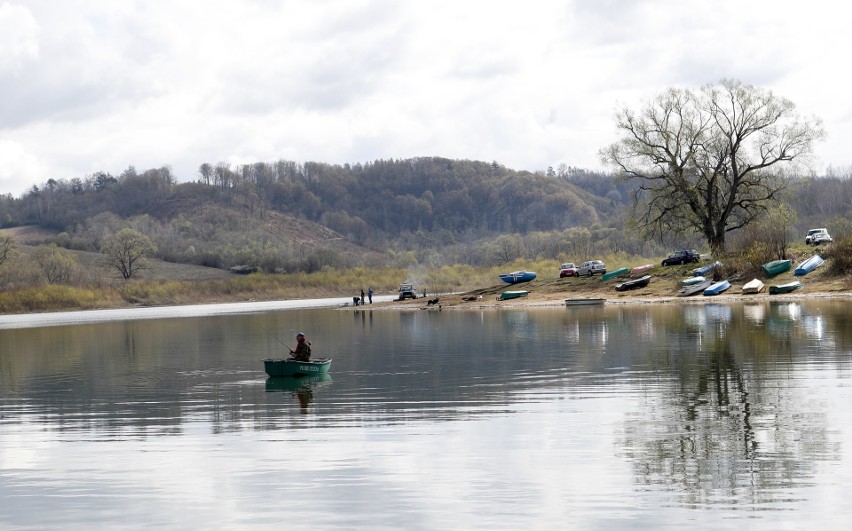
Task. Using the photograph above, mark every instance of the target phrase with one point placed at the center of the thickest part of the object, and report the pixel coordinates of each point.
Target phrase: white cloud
(18, 38)
(90, 85)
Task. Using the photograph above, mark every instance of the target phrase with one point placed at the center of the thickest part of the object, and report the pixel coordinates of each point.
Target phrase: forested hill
(302, 217)
(363, 202)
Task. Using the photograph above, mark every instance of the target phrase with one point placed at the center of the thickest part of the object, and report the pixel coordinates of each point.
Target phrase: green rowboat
(785, 288)
(691, 281)
(291, 367)
(776, 267)
(616, 273)
(512, 295)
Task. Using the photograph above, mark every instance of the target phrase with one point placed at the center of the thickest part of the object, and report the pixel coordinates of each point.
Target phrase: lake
(713, 416)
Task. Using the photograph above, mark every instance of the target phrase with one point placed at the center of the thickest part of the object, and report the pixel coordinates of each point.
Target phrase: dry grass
(173, 284)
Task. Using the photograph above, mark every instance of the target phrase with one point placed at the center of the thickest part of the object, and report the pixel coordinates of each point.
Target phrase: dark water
(616, 417)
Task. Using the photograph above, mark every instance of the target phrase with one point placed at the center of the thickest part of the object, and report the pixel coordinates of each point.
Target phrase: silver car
(591, 267)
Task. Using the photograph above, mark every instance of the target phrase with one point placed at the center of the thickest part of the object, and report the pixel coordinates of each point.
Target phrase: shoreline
(485, 300)
(453, 302)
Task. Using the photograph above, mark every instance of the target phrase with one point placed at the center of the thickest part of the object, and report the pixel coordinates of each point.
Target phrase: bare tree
(127, 250)
(710, 161)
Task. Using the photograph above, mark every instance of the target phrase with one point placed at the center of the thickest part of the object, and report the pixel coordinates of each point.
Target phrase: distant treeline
(388, 196)
(422, 205)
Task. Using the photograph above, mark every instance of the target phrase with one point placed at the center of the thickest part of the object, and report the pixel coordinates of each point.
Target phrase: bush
(839, 256)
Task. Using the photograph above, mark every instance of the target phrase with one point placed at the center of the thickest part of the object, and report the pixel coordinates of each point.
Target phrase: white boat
(753, 286)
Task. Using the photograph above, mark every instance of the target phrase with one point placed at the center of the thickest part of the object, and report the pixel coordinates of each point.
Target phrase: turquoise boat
(291, 367)
(717, 288)
(691, 281)
(506, 295)
(785, 288)
(616, 273)
(808, 265)
(776, 267)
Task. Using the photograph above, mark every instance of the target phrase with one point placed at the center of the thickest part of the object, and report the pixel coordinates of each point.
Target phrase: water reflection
(301, 387)
(668, 407)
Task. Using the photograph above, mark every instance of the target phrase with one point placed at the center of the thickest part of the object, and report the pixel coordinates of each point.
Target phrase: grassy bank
(163, 290)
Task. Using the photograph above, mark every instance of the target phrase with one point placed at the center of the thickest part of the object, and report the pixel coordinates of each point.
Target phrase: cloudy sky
(99, 85)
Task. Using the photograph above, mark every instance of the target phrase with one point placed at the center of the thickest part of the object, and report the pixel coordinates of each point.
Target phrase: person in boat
(302, 352)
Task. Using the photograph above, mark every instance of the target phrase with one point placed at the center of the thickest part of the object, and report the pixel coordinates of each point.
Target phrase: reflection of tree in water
(733, 432)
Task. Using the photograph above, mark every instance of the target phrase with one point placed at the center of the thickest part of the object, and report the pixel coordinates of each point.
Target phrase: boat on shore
(717, 288)
(785, 288)
(506, 295)
(753, 286)
(692, 289)
(517, 276)
(617, 273)
(641, 270)
(691, 281)
(703, 271)
(636, 283)
(584, 302)
(776, 267)
(808, 265)
(292, 367)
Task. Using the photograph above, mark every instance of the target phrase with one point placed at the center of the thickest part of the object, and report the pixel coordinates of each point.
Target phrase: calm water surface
(618, 417)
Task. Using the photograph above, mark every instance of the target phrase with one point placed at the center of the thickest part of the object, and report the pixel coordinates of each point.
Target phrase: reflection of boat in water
(721, 313)
(296, 383)
(754, 312)
(789, 310)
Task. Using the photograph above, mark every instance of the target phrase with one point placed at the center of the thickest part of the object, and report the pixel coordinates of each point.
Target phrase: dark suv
(681, 257)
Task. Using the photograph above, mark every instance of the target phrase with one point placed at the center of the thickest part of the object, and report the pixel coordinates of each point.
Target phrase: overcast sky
(101, 85)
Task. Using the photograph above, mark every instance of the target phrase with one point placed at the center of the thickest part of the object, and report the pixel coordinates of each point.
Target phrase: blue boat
(704, 271)
(808, 265)
(517, 276)
(717, 288)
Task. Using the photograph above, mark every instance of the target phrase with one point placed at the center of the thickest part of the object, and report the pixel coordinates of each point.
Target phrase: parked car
(681, 257)
(406, 290)
(591, 267)
(817, 236)
(568, 270)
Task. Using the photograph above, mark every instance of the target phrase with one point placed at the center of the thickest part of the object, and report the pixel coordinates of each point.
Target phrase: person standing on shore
(363, 300)
(370, 295)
